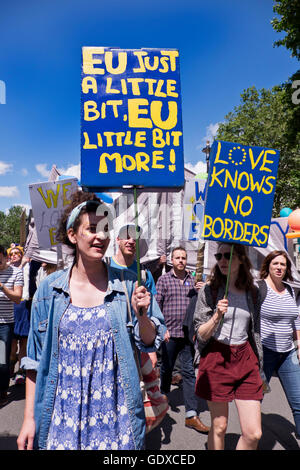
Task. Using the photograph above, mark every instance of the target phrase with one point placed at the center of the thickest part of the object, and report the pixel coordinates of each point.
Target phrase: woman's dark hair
(76, 199)
(244, 278)
(264, 270)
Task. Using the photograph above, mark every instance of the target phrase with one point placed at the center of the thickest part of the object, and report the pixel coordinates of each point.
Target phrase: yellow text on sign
(141, 161)
(140, 114)
(234, 230)
(160, 139)
(52, 236)
(51, 196)
(263, 158)
(149, 86)
(97, 61)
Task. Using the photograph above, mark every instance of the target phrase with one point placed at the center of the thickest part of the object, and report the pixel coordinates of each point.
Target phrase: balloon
(294, 220)
(294, 223)
(285, 212)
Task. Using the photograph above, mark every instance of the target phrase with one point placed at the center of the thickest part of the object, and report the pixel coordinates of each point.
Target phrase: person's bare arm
(207, 329)
(141, 301)
(26, 436)
(14, 294)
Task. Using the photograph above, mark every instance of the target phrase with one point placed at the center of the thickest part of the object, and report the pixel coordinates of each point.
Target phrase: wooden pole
(200, 262)
(23, 228)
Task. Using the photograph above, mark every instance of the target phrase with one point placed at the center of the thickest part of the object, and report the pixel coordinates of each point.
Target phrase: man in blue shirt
(125, 256)
(125, 259)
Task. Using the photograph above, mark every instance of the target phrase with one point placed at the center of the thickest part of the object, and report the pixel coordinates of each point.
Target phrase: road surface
(277, 423)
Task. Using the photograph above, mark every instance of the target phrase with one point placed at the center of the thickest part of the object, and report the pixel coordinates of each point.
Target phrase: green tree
(288, 21)
(10, 226)
(270, 118)
(263, 119)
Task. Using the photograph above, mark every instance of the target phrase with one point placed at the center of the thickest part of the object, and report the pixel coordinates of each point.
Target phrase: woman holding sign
(280, 326)
(82, 385)
(231, 353)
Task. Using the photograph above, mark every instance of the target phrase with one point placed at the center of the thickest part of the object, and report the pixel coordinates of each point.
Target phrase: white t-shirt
(234, 329)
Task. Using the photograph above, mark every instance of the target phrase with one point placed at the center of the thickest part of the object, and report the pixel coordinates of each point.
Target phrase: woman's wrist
(215, 318)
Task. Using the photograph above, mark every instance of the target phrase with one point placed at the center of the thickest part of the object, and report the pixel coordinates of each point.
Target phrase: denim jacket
(49, 304)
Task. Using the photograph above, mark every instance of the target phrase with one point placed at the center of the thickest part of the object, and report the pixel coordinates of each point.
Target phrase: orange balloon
(294, 220)
(294, 223)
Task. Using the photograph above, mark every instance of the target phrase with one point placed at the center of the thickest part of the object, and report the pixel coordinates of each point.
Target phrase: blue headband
(76, 211)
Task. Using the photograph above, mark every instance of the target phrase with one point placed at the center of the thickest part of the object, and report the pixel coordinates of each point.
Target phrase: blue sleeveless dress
(90, 411)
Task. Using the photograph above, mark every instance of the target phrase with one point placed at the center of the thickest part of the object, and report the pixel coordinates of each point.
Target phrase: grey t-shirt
(234, 329)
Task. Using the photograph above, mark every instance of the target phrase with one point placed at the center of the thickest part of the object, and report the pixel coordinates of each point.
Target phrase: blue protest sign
(240, 193)
(131, 124)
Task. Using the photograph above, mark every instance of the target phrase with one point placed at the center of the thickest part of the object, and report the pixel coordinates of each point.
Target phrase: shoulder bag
(155, 403)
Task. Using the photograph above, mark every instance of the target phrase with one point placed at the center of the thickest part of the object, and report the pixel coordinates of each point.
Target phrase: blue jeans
(288, 370)
(170, 351)
(6, 335)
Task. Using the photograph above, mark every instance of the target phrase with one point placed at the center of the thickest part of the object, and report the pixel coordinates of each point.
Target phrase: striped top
(9, 277)
(279, 319)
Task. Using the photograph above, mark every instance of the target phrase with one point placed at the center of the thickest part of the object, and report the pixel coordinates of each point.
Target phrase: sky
(224, 46)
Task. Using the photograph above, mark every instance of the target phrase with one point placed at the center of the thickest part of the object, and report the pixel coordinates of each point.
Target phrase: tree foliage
(10, 226)
(270, 118)
(289, 21)
(264, 119)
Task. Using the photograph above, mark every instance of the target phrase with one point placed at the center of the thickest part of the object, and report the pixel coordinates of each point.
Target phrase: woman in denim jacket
(82, 385)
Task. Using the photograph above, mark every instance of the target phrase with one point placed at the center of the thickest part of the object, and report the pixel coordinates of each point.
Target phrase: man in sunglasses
(173, 299)
(125, 259)
(125, 255)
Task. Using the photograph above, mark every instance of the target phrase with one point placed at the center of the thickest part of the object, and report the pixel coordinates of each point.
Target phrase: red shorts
(228, 372)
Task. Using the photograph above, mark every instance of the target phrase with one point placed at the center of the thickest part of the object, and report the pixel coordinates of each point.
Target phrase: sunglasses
(219, 256)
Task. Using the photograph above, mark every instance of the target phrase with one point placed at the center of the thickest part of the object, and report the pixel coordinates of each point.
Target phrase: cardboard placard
(193, 208)
(240, 193)
(48, 201)
(131, 124)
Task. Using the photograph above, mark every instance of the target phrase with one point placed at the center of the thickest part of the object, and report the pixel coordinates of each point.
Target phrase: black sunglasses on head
(219, 256)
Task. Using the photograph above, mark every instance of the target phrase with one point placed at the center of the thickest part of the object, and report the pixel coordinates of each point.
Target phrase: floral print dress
(90, 410)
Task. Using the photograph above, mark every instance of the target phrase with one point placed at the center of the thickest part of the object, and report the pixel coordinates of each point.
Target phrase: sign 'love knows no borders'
(240, 193)
(131, 124)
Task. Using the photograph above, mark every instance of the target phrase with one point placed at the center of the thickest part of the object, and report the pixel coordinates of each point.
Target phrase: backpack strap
(263, 289)
(254, 293)
(214, 294)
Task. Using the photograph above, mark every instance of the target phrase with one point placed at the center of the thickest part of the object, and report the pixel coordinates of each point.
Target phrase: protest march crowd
(101, 341)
